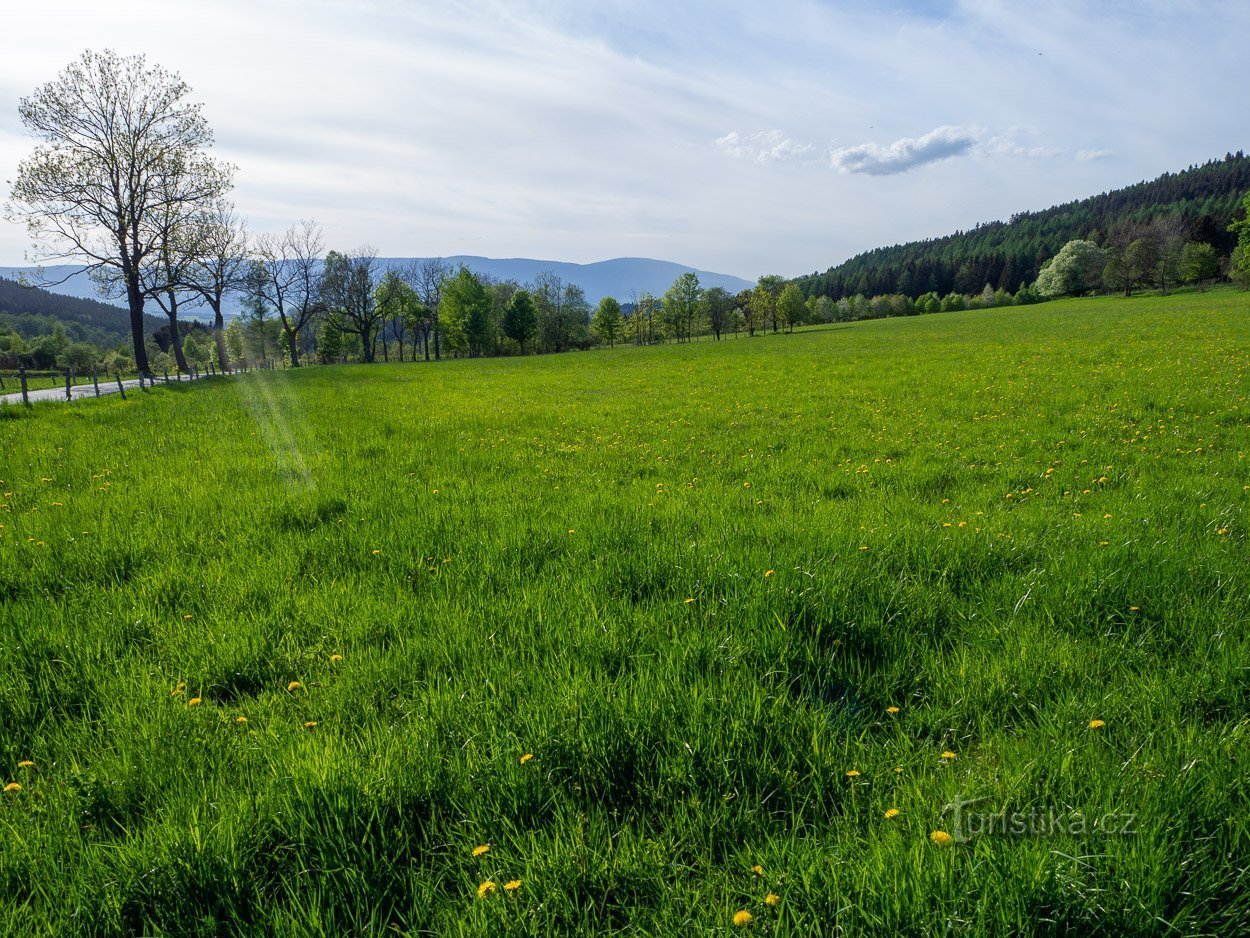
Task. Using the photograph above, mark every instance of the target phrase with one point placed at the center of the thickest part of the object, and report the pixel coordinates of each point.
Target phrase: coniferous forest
(1198, 203)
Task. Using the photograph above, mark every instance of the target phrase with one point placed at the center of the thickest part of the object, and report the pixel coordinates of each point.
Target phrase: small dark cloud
(908, 153)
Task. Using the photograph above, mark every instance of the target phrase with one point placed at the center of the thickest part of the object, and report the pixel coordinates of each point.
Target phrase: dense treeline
(1202, 200)
(169, 239)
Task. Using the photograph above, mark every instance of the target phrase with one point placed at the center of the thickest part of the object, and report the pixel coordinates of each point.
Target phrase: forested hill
(32, 311)
(1200, 200)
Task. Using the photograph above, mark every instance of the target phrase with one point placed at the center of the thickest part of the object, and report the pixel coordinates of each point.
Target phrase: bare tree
(428, 278)
(220, 268)
(179, 230)
(290, 282)
(115, 134)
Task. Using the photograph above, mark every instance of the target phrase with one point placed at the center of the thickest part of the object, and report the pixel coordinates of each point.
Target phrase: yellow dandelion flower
(852, 773)
(898, 770)
(571, 531)
(689, 600)
(512, 885)
(310, 724)
(293, 686)
(193, 702)
(485, 889)
(526, 758)
(481, 849)
(336, 657)
(891, 710)
(1134, 608)
(26, 764)
(746, 485)
(376, 552)
(242, 721)
(772, 899)
(757, 870)
(12, 788)
(742, 918)
(187, 616)
(948, 755)
(769, 572)
(1106, 516)
(1097, 724)
(892, 813)
(941, 838)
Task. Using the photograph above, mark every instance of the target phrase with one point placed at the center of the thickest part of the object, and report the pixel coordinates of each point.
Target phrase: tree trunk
(219, 337)
(135, 300)
(292, 347)
(437, 356)
(175, 339)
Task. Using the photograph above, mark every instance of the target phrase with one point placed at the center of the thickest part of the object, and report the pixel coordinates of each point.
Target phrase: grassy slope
(1004, 523)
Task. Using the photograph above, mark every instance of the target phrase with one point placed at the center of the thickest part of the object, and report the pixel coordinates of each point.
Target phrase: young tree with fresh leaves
(119, 139)
(608, 320)
(1076, 269)
(235, 340)
(465, 309)
(1199, 263)
(790, 306)
(1239, 266)
(769, 288)
(346, 288)
(716, 307)
(645, 314)
(520, 322)
(397, 303)
(681, 305)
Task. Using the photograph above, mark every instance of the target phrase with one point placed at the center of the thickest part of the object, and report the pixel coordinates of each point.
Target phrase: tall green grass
(690, 583)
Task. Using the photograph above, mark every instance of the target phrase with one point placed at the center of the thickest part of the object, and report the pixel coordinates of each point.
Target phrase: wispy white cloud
(1087, 156)
(906, 153)
(765, 146)
(582, 131)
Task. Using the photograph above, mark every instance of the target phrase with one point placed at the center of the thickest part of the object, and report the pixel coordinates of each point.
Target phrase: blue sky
(743, 137)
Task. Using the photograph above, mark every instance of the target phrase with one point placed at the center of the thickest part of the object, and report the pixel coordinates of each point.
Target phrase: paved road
(79, 391)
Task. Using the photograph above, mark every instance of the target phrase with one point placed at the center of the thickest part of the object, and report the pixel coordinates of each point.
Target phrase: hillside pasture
(672, 631)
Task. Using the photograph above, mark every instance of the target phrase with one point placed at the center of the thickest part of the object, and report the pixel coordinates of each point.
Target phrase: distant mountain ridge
(620, 277)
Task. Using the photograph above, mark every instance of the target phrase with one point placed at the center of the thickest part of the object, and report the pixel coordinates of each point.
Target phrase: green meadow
(811, 627)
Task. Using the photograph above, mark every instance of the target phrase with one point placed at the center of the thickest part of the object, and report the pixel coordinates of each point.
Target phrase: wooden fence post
(95, 379)
(120, 388)
(166, 377)
(22, 373)
(68, 395)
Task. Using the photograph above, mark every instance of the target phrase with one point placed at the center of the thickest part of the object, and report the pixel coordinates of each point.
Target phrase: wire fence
(31, 385)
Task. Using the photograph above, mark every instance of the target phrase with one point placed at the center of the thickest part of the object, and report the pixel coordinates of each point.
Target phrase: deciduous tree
(119, 138)
(608, 320)
(347, 290)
